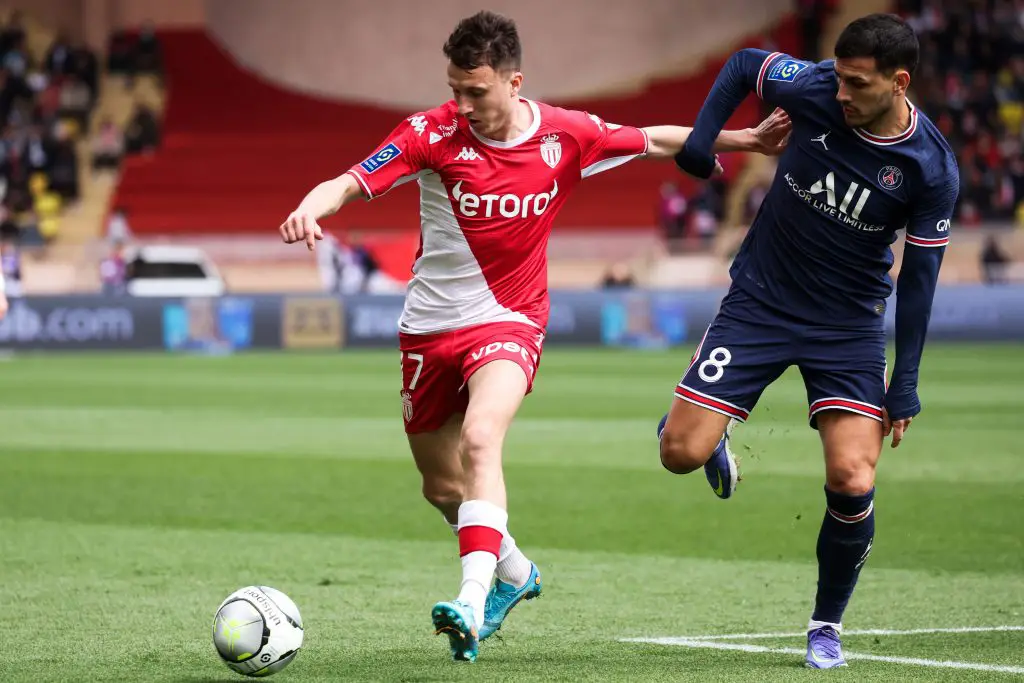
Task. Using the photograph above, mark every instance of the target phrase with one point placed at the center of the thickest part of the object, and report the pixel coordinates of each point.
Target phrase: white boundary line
(863, 632)
(715, 643)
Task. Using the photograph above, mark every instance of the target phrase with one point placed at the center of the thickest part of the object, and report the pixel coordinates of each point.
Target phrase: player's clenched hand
(301, 227)
(895, 427)
(3, 306)
(772, 135)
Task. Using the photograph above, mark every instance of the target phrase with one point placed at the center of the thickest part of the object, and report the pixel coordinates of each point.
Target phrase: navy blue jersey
(819, 248)
(820, 245)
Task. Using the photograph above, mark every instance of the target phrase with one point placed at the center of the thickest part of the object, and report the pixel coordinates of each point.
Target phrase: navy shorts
(749, 345)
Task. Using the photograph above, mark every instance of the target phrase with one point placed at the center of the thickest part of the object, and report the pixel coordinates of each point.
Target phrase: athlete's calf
(853, 444)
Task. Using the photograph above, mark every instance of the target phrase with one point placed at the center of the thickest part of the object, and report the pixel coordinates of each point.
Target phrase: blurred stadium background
(202, 124)
(149, 151)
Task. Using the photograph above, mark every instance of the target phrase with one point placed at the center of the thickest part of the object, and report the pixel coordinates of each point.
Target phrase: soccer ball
(257, 631)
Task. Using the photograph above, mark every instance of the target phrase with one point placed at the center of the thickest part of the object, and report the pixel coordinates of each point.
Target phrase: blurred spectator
(119, 51)
(86, 68)
(706, 208)
(64, 170)
(59, 59)
(41, 109)
(812, 15)
(375, 280)
(618, 276)
(971, 83)
(75, 100)
(13, 33)
(28, 226)
(118, 229)
(703, 227)
(1016, 175)
(367, 262)
(73, 70)
(37, 152)
(143, 131)
(114, 271)
(348, 267)
(15, 59)
(48, 102)
(107, 146)
(754, 198)
(14, 92)
(131, 54)
(8, 227)
(148, 54)
(671, 211)
(10, 263)
(994, 262)
(341, 270)
(18, 198)
(691, 224)
(47, 209)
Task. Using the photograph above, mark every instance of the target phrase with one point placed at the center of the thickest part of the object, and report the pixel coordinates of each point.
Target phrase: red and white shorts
(436, 367)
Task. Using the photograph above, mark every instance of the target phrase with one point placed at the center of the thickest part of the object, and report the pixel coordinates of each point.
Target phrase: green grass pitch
(137, 491)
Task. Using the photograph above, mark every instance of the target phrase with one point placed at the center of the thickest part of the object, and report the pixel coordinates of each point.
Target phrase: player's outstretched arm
(323, 200)
(770, 138)
(746, 71)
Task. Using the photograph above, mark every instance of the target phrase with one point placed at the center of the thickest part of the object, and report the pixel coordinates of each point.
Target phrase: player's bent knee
(682, 455)
(852, 446)
(850, 479)
(690, 436)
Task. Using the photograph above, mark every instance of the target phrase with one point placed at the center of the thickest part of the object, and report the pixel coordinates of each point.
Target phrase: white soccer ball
(257, 631)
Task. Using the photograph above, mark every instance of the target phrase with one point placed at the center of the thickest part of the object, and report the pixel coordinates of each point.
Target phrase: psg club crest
(551, 150)
(890, 177)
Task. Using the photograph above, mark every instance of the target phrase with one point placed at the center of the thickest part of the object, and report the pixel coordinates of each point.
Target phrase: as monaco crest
(407, 406)
(551, 150)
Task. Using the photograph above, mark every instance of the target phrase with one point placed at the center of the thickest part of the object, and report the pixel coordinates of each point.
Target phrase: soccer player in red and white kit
(493, 170)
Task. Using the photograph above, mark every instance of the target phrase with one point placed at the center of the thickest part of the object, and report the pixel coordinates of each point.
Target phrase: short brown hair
(485, 39)
(886, 37)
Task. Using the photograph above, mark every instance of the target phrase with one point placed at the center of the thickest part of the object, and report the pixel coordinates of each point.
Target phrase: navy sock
(843, 547)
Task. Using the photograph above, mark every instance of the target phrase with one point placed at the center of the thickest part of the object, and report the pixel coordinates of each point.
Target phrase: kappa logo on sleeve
(418, 122)
(381, 158)
(786, 70)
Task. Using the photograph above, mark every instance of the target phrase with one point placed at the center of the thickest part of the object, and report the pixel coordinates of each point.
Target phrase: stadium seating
(239, 152)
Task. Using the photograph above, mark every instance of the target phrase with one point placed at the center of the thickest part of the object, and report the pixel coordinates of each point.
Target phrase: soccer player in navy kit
(810, 282)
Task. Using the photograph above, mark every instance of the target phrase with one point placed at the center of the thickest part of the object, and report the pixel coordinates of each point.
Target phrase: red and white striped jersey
(487, 207)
